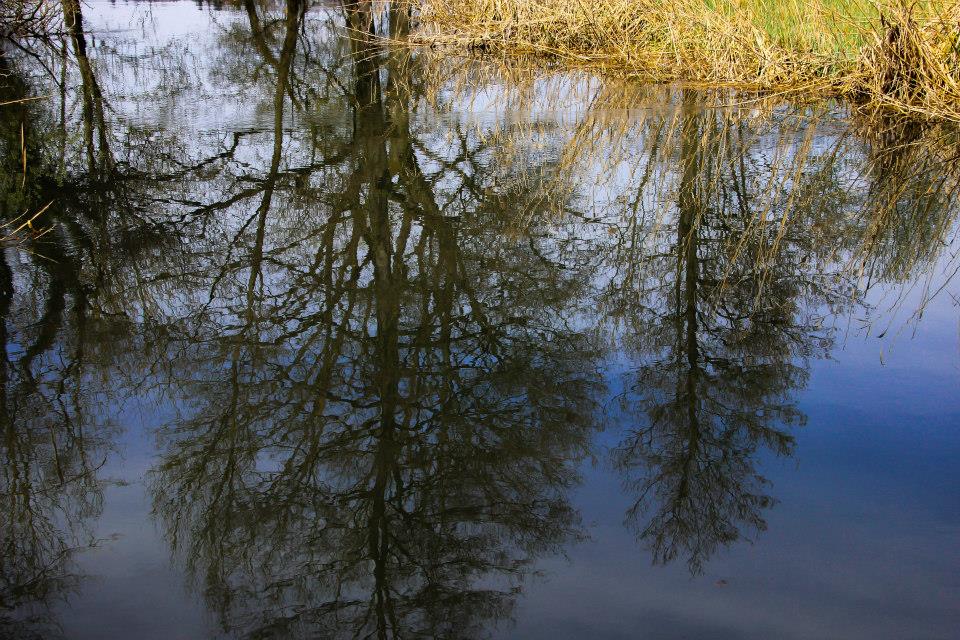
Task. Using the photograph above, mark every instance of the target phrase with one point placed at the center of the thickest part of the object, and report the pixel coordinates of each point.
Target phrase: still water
(329, 337)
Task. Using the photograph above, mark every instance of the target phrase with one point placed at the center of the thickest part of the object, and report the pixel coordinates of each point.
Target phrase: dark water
(329, 338)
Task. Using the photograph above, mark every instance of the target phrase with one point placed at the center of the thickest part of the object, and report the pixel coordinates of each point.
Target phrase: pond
(318, 334)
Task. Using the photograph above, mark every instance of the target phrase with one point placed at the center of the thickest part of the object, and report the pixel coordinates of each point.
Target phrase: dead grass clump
(913, 64)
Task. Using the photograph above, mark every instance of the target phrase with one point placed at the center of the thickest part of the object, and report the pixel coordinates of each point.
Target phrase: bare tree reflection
(381, 329)
(725, 337)
(384, 439)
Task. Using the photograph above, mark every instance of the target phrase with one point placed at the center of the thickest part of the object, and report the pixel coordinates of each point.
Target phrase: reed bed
(900, 56)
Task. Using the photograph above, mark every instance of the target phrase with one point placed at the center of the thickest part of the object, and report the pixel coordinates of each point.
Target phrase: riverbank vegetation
(900, 56)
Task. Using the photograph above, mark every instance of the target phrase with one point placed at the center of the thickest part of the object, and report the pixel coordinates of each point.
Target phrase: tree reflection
(381, 329)
(725, 336)
(55, 435)
(58, 345)
(53, 446)
(379, 436)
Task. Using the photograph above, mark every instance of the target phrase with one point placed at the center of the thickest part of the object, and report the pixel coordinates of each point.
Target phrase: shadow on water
(388, 331)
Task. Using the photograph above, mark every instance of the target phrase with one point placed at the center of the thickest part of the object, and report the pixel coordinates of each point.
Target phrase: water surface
(335, 338)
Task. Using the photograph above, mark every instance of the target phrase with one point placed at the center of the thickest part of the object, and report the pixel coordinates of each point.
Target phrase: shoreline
(891, 59)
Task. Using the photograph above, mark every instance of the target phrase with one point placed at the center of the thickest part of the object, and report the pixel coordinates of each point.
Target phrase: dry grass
(891, 55)
(912, 63)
